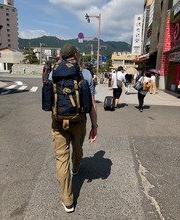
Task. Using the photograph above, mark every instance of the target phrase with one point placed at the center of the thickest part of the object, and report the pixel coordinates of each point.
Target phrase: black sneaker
(69, 208)
(141, 110)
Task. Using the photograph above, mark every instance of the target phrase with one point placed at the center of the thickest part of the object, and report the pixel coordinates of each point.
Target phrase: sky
(66, 18)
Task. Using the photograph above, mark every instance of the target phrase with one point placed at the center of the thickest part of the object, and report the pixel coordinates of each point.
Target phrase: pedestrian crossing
(16, 87)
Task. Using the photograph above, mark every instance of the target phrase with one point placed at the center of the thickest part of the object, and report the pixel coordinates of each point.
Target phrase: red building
(170, 60)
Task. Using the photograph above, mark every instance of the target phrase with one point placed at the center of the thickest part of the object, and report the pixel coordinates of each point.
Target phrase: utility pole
(98, 35)
(40, 55)
(92, 52)
(98, 51)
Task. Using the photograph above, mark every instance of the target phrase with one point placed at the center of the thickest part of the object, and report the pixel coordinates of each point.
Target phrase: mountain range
(107, 47)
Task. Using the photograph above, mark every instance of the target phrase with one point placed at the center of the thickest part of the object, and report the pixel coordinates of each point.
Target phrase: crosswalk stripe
(11, 87)
(22, 88)
(19, 83)
(34, 89)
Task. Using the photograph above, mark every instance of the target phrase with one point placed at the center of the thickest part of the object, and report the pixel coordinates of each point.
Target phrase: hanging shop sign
(176, 34)
(175, 13)
(174, 57)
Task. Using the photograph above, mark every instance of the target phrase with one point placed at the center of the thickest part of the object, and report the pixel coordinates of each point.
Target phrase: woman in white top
(146, 80)
(153, 89)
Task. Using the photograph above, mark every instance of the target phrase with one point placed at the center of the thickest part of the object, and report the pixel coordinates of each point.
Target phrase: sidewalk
(161, 98)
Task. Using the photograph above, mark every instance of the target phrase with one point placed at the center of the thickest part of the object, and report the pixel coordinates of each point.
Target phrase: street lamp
(98, 34)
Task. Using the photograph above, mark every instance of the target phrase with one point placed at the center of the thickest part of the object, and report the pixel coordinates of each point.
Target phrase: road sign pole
(98, 50)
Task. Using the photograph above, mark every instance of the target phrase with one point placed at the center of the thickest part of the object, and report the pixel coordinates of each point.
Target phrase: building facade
(9, 57)
(44, 53)
(161, 41)
(123, 59)
(170, 61)
(8, 25)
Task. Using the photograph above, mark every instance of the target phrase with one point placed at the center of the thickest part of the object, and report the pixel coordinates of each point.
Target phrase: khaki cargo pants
(62, 139)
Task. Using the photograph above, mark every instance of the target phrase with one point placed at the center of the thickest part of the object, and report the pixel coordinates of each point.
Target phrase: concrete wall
(27, 69)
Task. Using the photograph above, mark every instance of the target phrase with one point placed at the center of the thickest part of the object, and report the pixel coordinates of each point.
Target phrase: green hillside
(107, 47)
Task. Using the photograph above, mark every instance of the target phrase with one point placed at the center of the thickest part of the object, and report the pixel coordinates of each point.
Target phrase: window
(8, 25)
(7, 19)
(8, 30)
(1, 6)
(129, 62)
(7, 14)
(9, 45)
(13, 10)
(9, 35)
(7, 9)
(9, 40)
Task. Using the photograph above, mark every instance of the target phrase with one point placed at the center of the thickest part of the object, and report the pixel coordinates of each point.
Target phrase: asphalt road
(131, 172)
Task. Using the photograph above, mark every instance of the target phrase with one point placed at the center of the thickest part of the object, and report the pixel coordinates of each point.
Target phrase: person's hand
(92, 135)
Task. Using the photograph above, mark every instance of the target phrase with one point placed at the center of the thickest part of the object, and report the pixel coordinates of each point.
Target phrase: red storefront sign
(176, 34)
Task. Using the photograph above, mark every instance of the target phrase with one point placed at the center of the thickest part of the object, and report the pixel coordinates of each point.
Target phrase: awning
(141, 58)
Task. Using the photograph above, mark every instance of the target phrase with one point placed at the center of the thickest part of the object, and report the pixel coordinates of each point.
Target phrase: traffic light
(87, 18)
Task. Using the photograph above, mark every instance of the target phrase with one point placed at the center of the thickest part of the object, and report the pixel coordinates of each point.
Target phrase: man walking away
(117, 82)
(73, 133)
(128, 82)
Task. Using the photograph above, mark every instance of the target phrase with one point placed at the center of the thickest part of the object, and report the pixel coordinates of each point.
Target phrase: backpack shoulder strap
(54, 109)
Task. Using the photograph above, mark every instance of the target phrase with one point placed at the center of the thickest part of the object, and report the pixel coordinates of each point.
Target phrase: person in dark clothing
(128, 82)
(46, 71)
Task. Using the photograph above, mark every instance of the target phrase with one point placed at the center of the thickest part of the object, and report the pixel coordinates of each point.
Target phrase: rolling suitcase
(109, 103)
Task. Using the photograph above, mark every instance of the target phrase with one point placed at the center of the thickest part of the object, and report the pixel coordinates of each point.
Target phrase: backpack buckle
(66, 91)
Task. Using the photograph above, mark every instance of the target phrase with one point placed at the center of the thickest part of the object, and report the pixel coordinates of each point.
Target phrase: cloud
(75, 4)
(117, 15)
(28, 33)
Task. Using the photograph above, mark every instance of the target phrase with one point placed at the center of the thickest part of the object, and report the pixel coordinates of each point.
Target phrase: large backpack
(72, 95)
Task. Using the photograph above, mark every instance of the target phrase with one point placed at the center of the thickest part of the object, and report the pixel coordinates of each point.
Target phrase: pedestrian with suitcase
(109, 103)
(117, 83)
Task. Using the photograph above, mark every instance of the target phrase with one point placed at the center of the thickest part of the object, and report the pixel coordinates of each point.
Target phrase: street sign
(80, 37)
(104, 58)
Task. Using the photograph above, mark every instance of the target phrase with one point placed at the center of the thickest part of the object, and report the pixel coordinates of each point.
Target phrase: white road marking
(19, 83)
(34, 89)
(11, 87)
(22, 88)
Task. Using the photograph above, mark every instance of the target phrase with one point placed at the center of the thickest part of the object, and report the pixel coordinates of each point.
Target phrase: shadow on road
(144, 107)
(92, 168)
(12, 91)
(98, 102)
(4, 80)
(122, 105)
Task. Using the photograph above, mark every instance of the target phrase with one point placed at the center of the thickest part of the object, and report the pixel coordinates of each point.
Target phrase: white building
(8, 57)
(137, 35)
(8, 25)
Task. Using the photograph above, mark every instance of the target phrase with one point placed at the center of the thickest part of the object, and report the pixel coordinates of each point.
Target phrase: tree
(30, 56)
